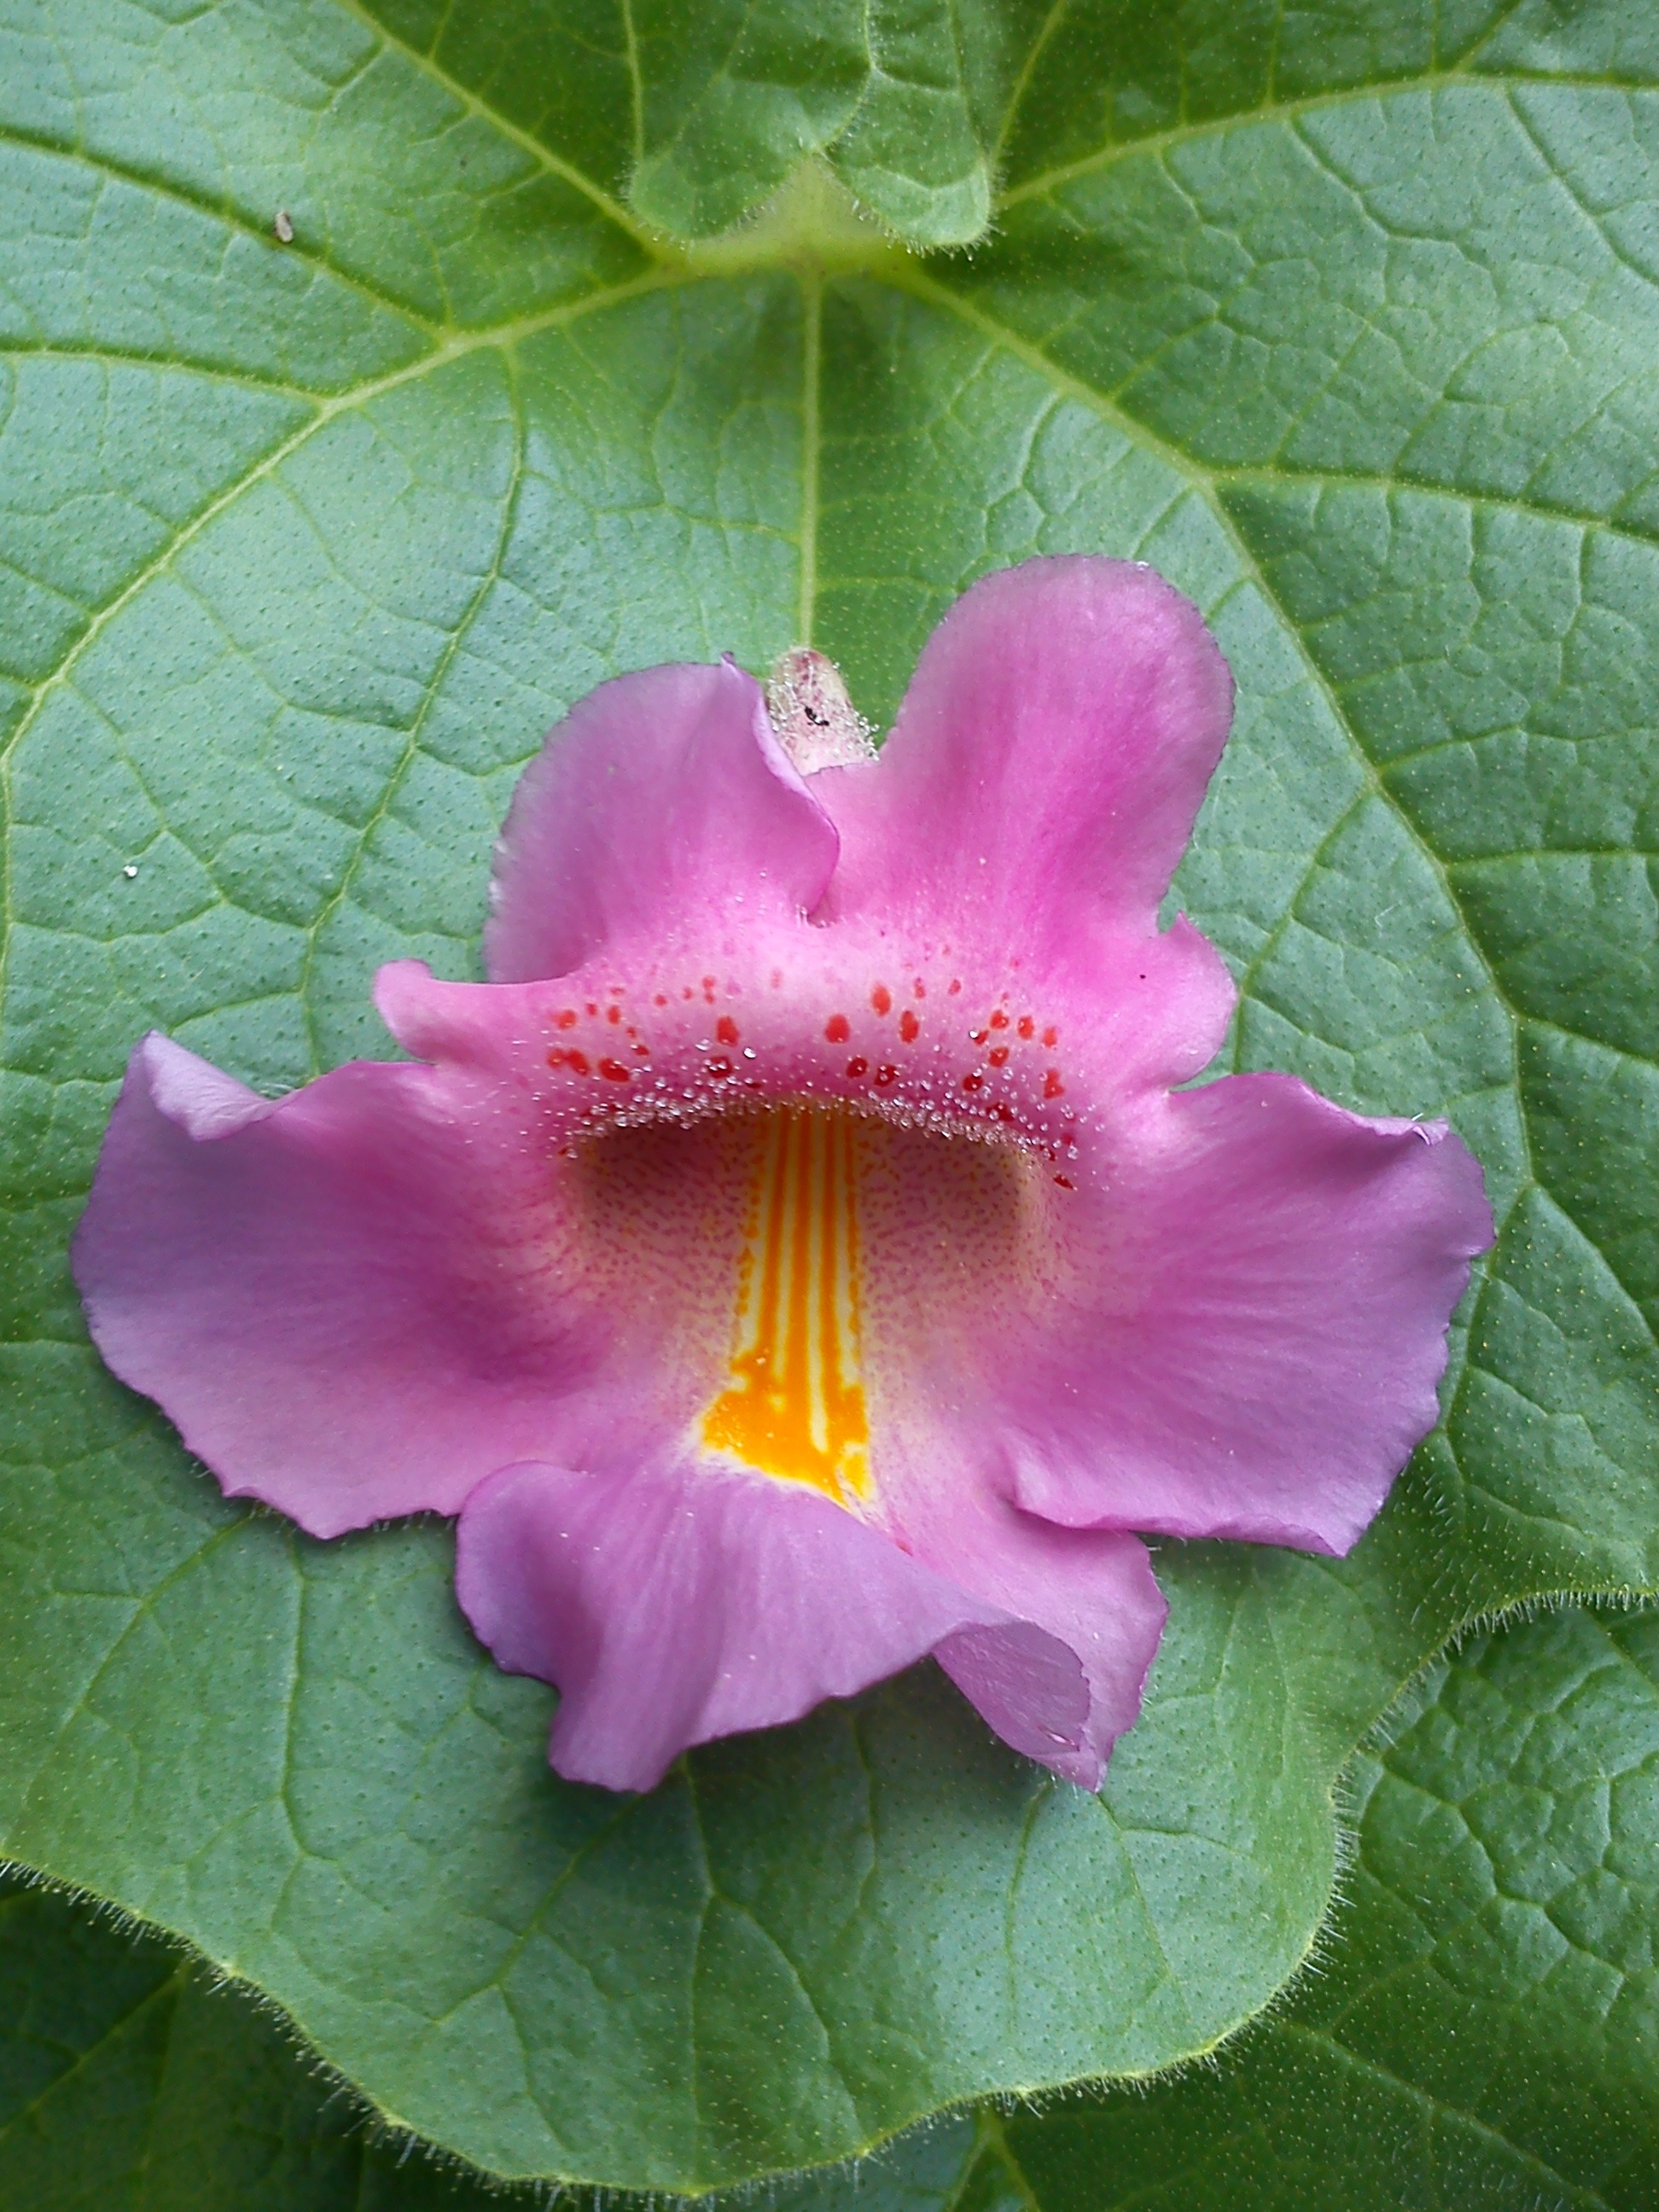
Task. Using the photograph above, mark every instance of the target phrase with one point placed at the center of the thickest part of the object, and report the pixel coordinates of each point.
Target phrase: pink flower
(797, 1260)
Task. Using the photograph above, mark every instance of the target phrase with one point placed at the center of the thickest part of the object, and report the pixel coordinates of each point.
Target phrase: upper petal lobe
(661, 808)
(1047, 764)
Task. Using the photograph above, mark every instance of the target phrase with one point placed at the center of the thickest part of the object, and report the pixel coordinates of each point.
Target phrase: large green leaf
(1346, 326)
(127, 2084)
(1482, 2030)
(130, 2083)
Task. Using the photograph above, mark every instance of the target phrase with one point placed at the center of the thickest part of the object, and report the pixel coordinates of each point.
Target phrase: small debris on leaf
(284, 227)
(130, 869)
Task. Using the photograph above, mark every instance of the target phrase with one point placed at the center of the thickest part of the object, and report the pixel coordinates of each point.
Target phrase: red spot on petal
(857, 1067)
(1052, 1085)
(591, 1008)
(718, 1066)
(660, 999)
(885, 1075)
(688, 993)
(1027, 1026)
(837, 1029)
(1065, 1182)
(709, 989)
(726, 1030)
(955, 986)
(882, 999)
(613, 1013)
(973, 1082)
(1051, 1038)
(576, 1063)
(1000, 1019)
(909, 1027)
(978, 1037)
(920, 988)
(567, 1017)
(998, 1057)
(556, 1058)
(613, 1071)
(642, 1050)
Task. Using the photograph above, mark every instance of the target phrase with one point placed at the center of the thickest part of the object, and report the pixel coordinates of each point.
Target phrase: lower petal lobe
(682, 1602)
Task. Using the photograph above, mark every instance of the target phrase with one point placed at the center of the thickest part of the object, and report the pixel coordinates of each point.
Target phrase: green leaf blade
(1352, 346)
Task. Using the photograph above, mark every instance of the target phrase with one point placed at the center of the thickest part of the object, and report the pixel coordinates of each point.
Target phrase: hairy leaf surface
(1342, 318)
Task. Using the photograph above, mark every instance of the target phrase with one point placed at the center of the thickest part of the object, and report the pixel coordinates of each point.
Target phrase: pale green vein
(1157, 143)
(114, 356)
(360, 395)
(544, 156)
(220, 210)
(503, 335)
(429, 697)
(1051, 24)
(1395, 481)
(636, 81)
(143, 1607)
(1299, 2032)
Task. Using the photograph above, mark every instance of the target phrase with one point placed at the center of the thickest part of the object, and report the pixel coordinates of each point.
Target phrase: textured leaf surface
(698, 114)
(128, 2084)
(1347, 326)
(1485, 2031)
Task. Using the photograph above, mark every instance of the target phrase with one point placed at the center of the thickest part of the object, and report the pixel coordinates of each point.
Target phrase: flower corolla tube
(800, 1257)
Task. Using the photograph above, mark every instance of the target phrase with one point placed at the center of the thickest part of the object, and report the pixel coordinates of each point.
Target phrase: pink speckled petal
(1258, 1321)
(677, 1602)
(1046, 766)
(662, 809)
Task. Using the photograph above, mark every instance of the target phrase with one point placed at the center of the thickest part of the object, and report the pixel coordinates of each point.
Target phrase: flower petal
(1087, 1593)
(678, 1602)
(1047, 764)
(328, 1292)
(662, 808)
(1261, 1323)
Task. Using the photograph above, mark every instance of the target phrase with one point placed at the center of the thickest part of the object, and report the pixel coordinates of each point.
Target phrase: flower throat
(793, 1407)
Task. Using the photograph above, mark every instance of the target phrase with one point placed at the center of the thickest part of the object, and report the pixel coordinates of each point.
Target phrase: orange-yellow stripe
(794, 1405)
